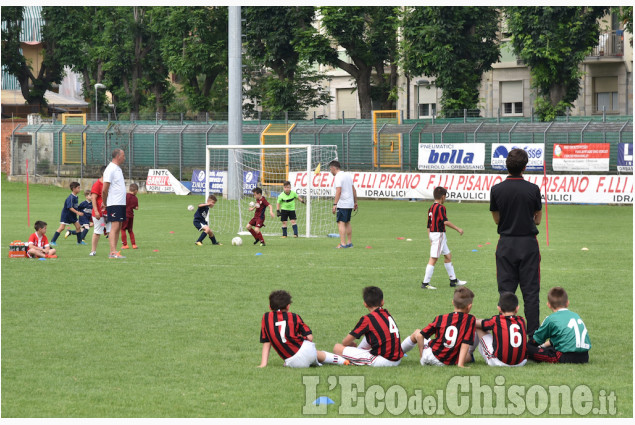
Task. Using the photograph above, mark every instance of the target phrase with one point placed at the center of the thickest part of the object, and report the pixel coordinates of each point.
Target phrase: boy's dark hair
(439, 192)
(373, 296)
(73, 185)
(279, 300)
(557, 297)
(133, 186)
(462, 297)
(335, 164)
(211, 197)
(516, 162)
(39, 224)
(286, 183)
(508, 302)
(257, 190)
(101, 170)
(87, 192)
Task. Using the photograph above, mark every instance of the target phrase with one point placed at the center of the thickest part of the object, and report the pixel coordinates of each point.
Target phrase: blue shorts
(199, 225)
(116, 213)
(68, 217)
(344, 214)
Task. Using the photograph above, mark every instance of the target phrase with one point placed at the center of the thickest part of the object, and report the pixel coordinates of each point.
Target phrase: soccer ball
(252, 204)
(237, 241)
(190, 207)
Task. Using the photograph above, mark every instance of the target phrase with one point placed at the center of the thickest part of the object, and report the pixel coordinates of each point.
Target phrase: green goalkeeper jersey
(566, 330)
(287, 202)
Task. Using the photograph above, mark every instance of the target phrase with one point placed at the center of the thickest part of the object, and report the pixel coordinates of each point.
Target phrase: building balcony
(611, 45)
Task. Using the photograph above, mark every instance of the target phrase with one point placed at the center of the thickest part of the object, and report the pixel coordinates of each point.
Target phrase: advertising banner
(216, 181)
(472, 187)
(161, 180)
(581, 157)
(451, 156)
(625, 157)
(535, 151)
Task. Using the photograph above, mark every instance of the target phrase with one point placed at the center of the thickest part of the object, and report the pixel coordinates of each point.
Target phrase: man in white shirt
(114, 197)
(344, 203)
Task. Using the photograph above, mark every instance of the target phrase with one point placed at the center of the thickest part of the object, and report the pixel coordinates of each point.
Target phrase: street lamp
(97, 86)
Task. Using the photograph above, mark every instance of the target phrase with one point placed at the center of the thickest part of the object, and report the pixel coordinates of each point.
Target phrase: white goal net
(234, 170)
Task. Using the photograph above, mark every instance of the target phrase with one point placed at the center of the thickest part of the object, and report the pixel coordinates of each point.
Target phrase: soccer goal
(234, 170)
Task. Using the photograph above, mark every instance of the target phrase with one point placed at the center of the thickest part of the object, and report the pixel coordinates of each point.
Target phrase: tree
(194, 46)
(369, 37)
(51, 71)
(454, 44)
(553, 41)
(287, 82)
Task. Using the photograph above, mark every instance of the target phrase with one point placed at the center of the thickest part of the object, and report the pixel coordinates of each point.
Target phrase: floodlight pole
(235, 93)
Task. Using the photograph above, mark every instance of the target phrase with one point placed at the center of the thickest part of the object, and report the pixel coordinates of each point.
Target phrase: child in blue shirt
(69, 216)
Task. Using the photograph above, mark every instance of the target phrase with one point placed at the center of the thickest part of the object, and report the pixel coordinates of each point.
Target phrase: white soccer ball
(252, 204)
(190, 207)
(237, 241)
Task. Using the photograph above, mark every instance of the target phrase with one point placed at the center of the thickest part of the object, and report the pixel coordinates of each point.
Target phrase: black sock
(79, 236)
(295, 229)
(284, 231)
(200, 238)
(213, 238)
(55, 236)
(84, 233)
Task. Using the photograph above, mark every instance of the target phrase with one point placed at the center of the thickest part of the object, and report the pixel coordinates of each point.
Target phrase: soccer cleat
(427, 286)
(284, 237)
(67, 234)
(456, 282)
(53, 243)
(93, 253)
(51, 256)
(256, 241)
(125, 247)
(346, 363)
(350, 245)
(106, 235)
(134, 246)
(262, 244)
(116, 255)
(198, 243)
(82, 243)
(295, 236)
(217, 243)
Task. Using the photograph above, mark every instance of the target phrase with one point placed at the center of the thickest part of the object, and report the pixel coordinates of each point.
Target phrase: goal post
(267, 167)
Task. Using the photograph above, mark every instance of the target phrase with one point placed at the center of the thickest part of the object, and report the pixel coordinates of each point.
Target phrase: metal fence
(54, 149)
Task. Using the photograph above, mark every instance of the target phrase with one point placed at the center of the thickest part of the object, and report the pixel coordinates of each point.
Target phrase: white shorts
(486, 348)
(361, 356)
(305, 357)
(100, 225)
(427, 357)
(438, 244)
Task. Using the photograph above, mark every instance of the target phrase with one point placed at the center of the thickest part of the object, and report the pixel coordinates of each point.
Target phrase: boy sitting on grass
(454, 334)
(562, 337)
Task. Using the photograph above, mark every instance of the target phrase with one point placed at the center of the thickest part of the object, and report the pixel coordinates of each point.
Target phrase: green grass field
(175, 333)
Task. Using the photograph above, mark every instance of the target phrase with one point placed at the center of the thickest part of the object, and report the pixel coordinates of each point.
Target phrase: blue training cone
(258, 253)
(475, 250)
(323, 400)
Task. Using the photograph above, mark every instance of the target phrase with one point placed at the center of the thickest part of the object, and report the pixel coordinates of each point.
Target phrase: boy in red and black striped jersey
(454, 334)
(380, 343)
(437, 221)
(507, 344)
(290, 336)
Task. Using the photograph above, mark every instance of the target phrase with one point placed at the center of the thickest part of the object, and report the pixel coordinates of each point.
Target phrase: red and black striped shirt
(509, 337)
(451, 330)
(437, 217)
(285, 331)
(381, 333)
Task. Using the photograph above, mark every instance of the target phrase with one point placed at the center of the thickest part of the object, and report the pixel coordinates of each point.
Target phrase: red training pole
(28, 212)
(544, 168)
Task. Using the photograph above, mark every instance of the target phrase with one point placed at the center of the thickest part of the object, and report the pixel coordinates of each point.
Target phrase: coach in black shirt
(517, 209)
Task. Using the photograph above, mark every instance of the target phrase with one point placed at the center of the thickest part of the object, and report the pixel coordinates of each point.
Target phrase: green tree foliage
(193, 43)
(553, 41)
(454, 44)
(281, 77)
(33, 86)
(369, 37)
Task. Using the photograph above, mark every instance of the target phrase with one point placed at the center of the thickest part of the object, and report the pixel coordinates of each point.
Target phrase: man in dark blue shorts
(344, 203)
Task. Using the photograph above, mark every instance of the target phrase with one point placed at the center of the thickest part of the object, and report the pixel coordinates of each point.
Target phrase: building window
(427, 100)
(605, 94)
(427, 109)
(511, 94)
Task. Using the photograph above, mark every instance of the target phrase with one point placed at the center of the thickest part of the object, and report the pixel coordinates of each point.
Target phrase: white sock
(408, 345)
(429, 271)
(450, 268)
(333, 358)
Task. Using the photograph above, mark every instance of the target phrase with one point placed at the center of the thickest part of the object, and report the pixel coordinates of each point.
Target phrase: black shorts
(344, 214)
(116, 213)
(287, 214)
(199, 225)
